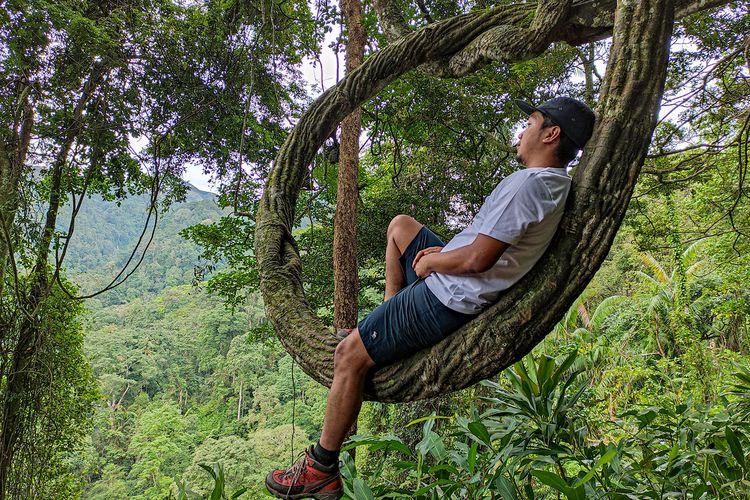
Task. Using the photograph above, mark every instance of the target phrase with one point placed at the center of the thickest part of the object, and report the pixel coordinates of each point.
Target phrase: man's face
(530, 138)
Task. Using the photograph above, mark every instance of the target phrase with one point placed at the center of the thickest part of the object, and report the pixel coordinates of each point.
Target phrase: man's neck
(543, 159)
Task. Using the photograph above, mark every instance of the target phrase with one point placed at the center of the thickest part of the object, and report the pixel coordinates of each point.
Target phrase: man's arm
(475, 258)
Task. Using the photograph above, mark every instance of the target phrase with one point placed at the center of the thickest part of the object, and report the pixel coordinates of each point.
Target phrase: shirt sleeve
(512, 209)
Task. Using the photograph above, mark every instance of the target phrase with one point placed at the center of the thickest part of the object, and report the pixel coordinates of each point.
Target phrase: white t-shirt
(523, 211)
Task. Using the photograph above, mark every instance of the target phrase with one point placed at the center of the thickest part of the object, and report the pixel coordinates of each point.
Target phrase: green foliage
(187, 382)
(160, 447)
(229, 453)
(245, 460)
(59, 397)
(218, 492)
(532, 443)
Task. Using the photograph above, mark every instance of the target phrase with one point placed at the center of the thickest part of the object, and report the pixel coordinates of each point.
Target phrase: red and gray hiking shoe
(306, 479)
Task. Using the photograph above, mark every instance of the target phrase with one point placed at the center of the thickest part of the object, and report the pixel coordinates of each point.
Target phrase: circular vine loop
(523, 316)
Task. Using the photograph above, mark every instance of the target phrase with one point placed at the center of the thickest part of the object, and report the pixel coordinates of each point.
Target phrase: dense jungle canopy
(117, 379)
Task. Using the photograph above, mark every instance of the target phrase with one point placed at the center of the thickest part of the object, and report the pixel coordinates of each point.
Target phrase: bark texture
(603, 186)
(587, 21)
(345, 282)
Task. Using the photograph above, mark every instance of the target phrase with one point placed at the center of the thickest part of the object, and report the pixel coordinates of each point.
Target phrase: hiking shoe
(308, 478)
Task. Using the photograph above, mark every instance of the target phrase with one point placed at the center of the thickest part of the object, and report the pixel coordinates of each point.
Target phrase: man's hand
(477, 257)
(421, 254)
(421, 264)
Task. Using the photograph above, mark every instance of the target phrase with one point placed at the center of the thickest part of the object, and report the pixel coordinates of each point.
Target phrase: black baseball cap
(575, 119)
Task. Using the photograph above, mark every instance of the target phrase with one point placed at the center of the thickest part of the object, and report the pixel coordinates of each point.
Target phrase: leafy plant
(217, 474)
(533, 443)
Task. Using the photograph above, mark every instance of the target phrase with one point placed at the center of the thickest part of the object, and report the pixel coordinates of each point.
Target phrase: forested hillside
(185, 382)
(107, 233)
(174, 383)
(183, 379)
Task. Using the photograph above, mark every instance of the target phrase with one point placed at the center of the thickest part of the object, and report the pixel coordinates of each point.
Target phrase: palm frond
(657, 271)
(604, 309)
(697, 266)
(650, 278)
(694, 250)
(660, 303)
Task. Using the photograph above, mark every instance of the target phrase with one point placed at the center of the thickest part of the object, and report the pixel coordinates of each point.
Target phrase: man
(432, 289)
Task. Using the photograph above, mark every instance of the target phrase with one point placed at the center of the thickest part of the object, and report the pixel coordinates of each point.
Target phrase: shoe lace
(296, 470)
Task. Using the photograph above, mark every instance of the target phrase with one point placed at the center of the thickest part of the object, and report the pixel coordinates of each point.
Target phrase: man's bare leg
(401, 232)
(351, 361)
(316, 475)
(350, 365)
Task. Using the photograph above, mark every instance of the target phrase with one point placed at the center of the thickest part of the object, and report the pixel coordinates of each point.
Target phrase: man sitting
(432, 289)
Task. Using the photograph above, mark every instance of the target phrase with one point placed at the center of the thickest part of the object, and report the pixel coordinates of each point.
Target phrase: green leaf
(552, 480)
(472, 458)
(604, 459)
(239, 492)
(422, 419)
(505, 488)
(433, 444)
(566, 363)
(377, 443)
(425, 489)
(218, 491)
(361, 490)
(479, 430)
(671, 457)
(735, 447)
(349, 469)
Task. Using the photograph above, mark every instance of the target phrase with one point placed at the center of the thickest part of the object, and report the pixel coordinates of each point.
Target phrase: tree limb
(585, 21)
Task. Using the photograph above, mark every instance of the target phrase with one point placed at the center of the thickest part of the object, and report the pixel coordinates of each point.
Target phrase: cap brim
(525, 106)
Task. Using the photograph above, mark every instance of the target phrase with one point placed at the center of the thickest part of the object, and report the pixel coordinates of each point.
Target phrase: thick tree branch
(509, 42)
(585, 21)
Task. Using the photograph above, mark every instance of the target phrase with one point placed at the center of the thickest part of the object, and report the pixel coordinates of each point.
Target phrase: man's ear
(551, 134)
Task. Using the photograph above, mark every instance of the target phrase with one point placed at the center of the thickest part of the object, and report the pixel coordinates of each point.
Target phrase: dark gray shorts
(413, 318)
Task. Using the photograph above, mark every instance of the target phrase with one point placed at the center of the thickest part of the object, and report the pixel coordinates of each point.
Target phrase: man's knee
(402, 222)
(402, 228)
(351, 355)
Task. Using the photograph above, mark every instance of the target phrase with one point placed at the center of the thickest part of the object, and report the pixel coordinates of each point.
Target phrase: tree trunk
(603, 185)
(239, 403)
(345, 283)
(12, 162)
